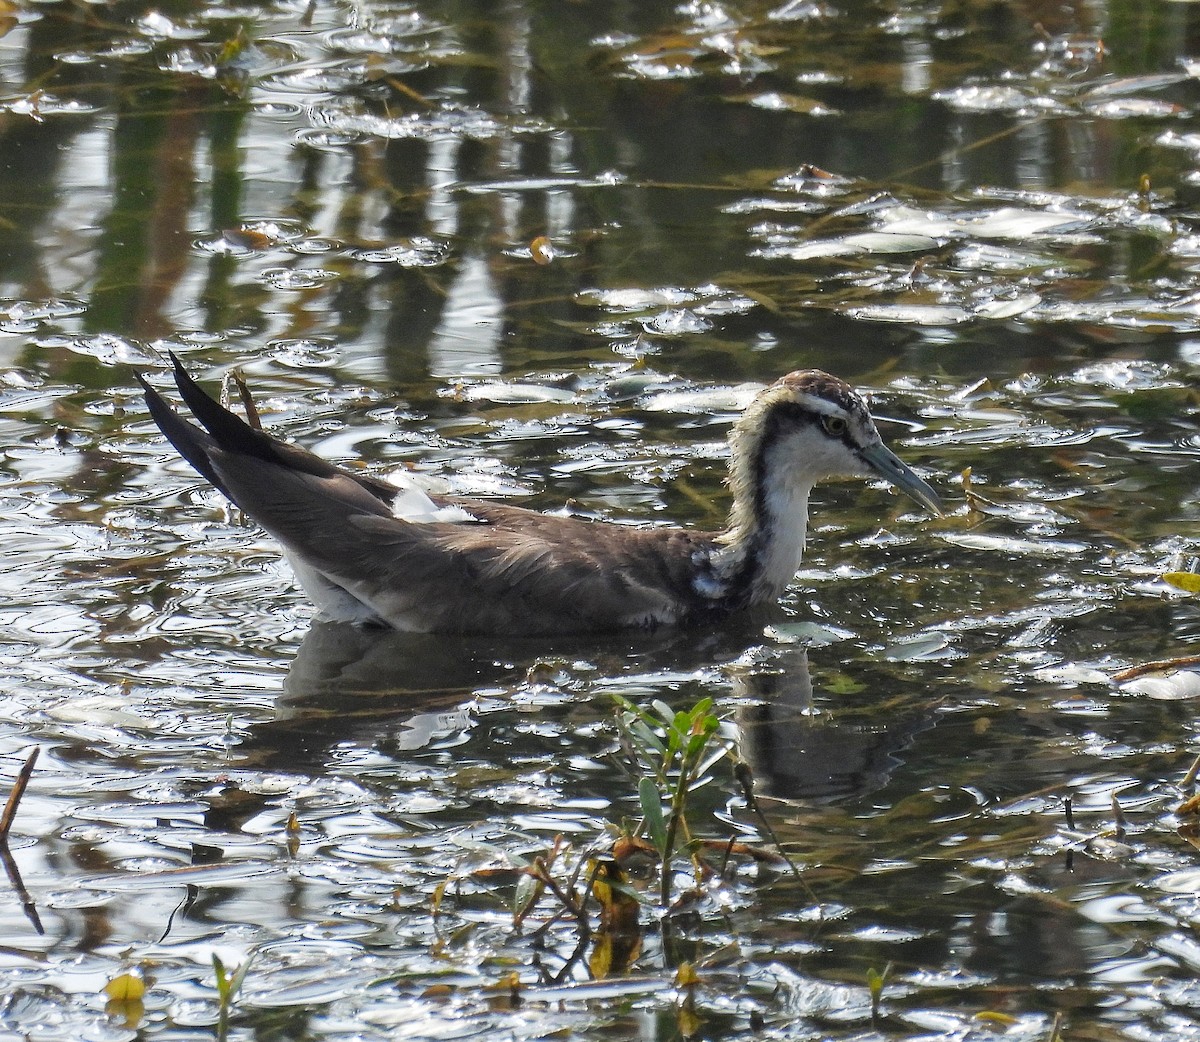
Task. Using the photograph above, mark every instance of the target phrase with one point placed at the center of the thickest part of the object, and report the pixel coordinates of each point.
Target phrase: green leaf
(677, 733)
(665, 713)
(640, 726)
(707, 764)
(875, 983)
(239, 975)
(702, 734)
(222, 979)
(528, 892)
(229, 984)
(647, 741)
(652, 812)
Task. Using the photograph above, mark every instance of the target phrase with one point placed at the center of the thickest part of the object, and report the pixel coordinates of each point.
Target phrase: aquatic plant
(229, 984)
(674, 750)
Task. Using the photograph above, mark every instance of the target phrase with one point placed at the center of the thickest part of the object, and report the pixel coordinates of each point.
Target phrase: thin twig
(191, 892)
(18, 885)
(252, 416)
(1118, 817)
(568, 901)
(1158, 666)
(572, 959)
(1189, 779)
(1069, 860)
(678, 802)
(725, 858)
(584, 858)
(14, 797)
(1056, 1028)
(741, 771)
(537, 936)
(400, 87)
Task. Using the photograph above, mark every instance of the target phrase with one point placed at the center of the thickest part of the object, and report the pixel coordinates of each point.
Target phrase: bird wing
(512, 570)
(518, 571)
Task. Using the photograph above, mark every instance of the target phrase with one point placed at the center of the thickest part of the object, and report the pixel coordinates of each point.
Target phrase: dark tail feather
(232, 434)
(229, 433)
(193, 444)
(229, 430)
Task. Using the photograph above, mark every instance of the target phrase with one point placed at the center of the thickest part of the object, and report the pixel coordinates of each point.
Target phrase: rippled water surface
(545, 251)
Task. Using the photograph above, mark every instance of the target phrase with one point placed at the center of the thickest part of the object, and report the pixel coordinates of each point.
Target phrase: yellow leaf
(618, 941)
(129, 1011)
(688, 1021)
(1189, 582)
(125, 988)
(601, 960)
(619, 909)
(8, 16)
(510, 982)
(686, 976)
(995, 1017)
(247, 238)
(232, 47)
(505, 993)
(541, 250)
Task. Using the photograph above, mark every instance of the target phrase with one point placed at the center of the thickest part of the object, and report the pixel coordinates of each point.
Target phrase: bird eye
(834, 426)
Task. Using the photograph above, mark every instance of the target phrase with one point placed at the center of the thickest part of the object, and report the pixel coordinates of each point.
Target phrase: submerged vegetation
(600, 891)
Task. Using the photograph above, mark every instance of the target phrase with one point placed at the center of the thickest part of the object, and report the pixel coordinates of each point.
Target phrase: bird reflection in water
(399, 693)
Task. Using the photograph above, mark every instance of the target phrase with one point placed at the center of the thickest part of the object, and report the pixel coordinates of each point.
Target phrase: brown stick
(14, 797)
(1189, 779)
(252, 416)
(18, 885)
(1158, 666)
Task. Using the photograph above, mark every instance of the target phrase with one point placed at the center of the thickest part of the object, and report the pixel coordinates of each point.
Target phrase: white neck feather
(782, 546)
(799, 431)
(764, 543)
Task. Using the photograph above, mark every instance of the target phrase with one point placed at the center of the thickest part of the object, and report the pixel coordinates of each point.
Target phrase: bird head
(806, 427)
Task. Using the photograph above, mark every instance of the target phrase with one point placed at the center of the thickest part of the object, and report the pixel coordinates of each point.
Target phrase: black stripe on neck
(782, 420)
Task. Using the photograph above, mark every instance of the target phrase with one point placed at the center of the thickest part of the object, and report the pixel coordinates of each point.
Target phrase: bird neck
(760, 550)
